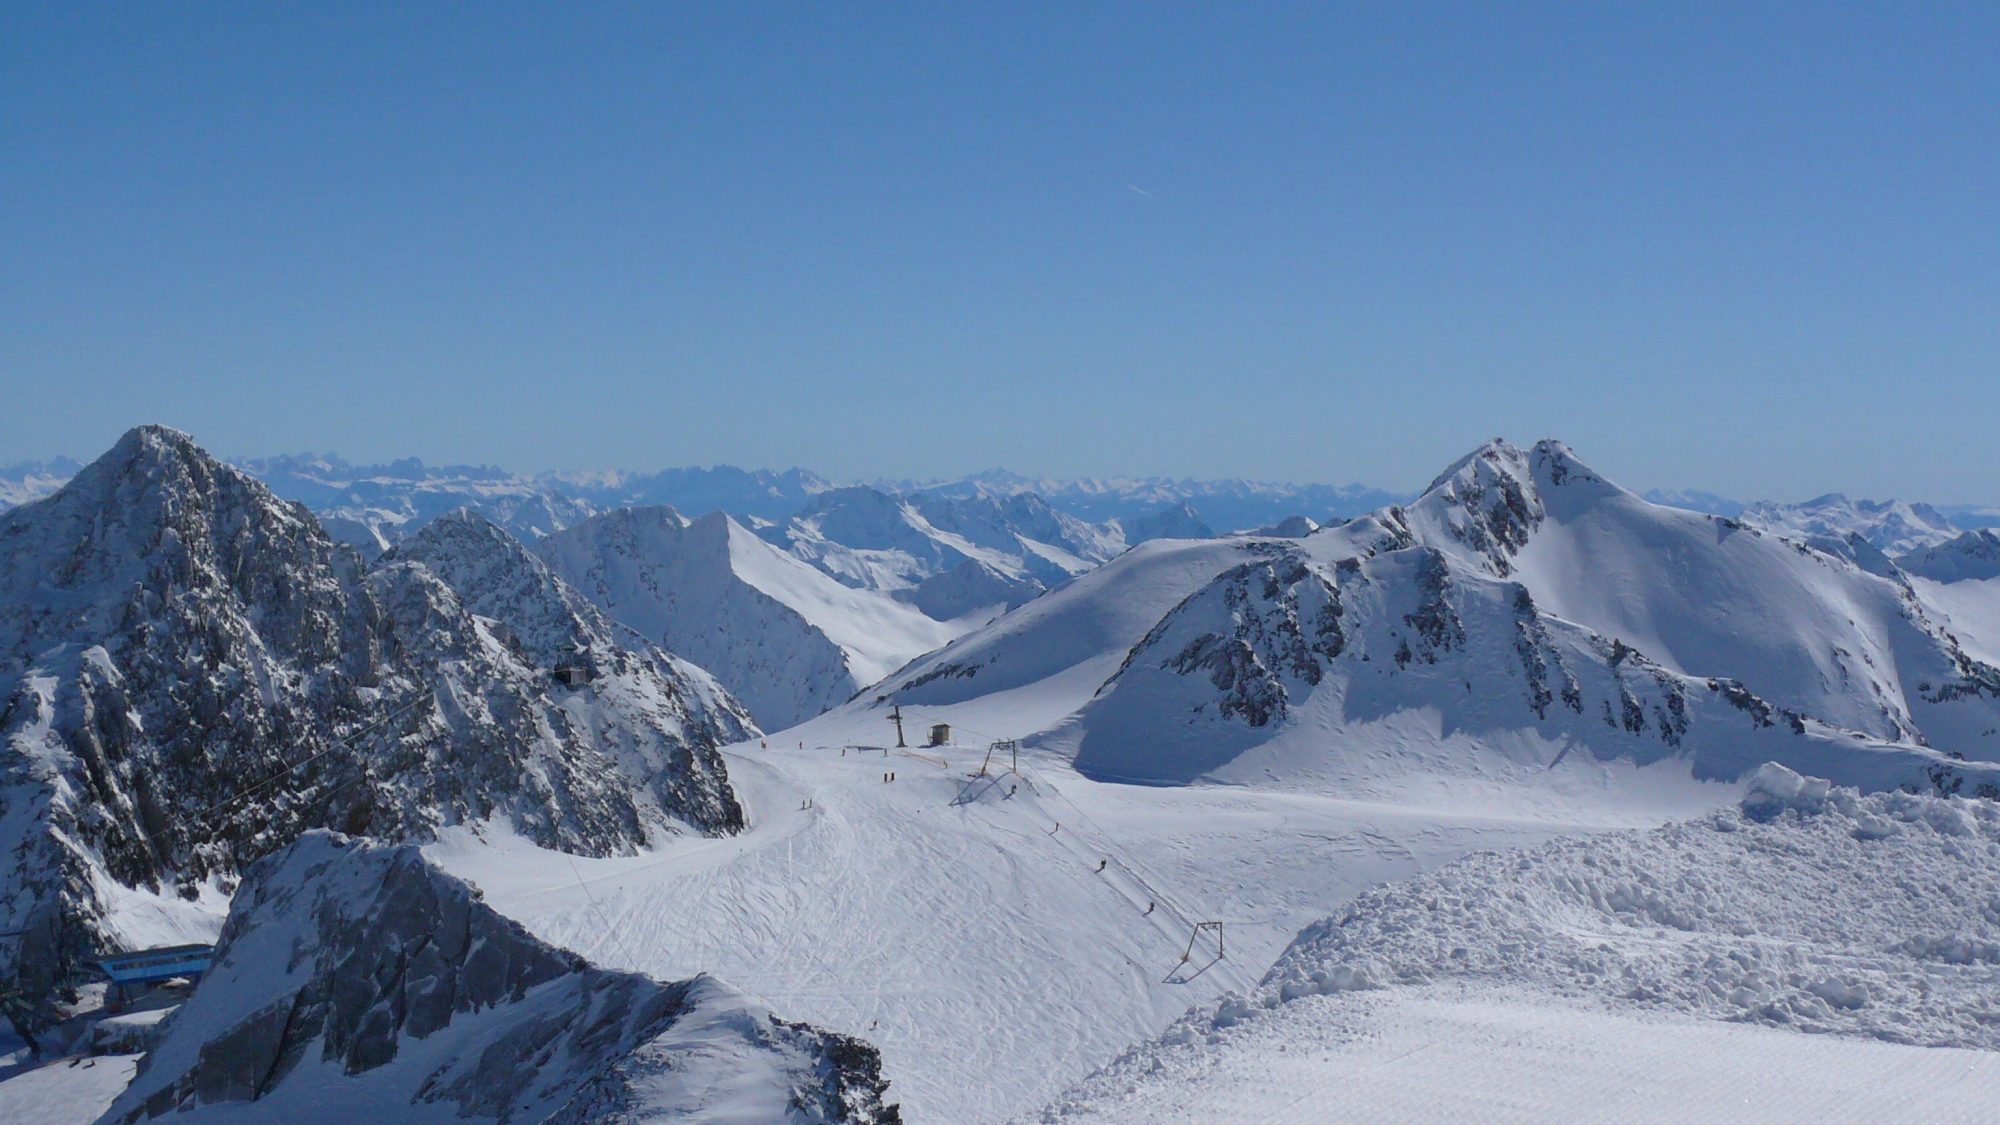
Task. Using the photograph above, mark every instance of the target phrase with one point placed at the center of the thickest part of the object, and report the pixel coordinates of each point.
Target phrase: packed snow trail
(980, 948)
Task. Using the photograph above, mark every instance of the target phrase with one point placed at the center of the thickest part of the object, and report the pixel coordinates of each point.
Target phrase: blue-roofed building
(135, 971)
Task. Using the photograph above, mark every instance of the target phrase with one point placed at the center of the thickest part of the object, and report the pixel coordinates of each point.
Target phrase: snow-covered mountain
(759, 494)
(1893, 527)
(948, 556)
(32, 480)
(355, 975)
(194, 674)
(784, 638)
(658, 715)
(374, 506)
(1960, 580)
(1174, 521)
(1521, 608)
(1225, 504)
(1695, 500)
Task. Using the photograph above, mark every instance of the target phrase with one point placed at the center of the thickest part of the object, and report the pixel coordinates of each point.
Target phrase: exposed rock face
(192, 674)
(355, 974)
(660, 716)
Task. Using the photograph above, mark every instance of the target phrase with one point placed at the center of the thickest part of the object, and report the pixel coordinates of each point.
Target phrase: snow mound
(1808, 908)
(356, 980)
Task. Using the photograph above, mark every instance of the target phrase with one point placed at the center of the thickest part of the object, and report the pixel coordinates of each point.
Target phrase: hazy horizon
(1409, 488)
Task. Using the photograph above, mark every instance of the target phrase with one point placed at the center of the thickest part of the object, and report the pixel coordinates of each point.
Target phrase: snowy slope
(1894, 527)
(1458, 712)
(967, 930)
(1818, 913)
(358, 982)
(784, 638)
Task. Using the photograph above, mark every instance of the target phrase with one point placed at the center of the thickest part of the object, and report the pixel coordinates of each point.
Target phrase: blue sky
(1752, 249)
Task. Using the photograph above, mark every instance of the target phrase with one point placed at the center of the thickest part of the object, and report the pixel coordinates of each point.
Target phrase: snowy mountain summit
(1523, 606)
(194, 674)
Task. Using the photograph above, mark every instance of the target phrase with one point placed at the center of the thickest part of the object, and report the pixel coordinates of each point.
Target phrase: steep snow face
(784, 638)
(1709, 597)
(1808, 909)
(1065, 643)
(193, 674)
(358, 981)
(919, 547)
(659, 717)
(1893, 527)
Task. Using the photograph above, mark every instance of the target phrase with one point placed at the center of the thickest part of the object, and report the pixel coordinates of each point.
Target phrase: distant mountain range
(374, 506)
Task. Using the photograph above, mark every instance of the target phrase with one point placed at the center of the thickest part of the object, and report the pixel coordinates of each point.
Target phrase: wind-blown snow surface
(356, 981)
(784, 638)
(1875, 918)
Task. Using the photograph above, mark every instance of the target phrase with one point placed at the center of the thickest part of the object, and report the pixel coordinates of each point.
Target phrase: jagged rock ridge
(193, 674)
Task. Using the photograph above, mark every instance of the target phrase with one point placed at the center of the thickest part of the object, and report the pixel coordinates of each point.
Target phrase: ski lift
(573, 668)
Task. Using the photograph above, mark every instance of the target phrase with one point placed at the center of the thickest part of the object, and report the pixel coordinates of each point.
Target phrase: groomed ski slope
(977, 943)
(1813, 955)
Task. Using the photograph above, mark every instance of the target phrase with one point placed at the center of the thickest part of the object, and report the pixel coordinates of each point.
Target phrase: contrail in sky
(1142, 191)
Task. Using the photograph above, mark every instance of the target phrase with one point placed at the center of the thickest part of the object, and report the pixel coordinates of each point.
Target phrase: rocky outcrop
(353, 973)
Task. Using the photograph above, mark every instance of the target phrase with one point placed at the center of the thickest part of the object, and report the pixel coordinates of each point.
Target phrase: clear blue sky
(1753, 249)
